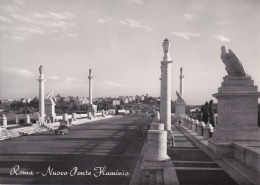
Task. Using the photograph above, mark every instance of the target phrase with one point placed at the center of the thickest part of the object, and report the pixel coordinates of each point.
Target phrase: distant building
(116, 102)
(82, 101)
(25, 100)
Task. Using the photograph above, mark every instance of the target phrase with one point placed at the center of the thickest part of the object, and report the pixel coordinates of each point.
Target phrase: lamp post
(165, 106)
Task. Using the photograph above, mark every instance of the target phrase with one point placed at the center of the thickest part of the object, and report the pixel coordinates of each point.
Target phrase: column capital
(166, 62)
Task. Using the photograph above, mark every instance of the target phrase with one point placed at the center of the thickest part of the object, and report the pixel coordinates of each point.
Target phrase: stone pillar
(103, 113)
(156, 154)
(90, 115)
(90, 76)
(200, 127)
(65, 117)
(157, 126)
(237, 114)
(206, 130)
(194, 125)
(181, 77)
(165, 105)
(4, 123)
(185, 121)
(16, 119)
(41, 96)
(190, 124)
(74, 117)
(28, 119)
(180, 107)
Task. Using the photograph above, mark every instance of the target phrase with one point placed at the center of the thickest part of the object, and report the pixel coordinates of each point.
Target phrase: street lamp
(166, 47)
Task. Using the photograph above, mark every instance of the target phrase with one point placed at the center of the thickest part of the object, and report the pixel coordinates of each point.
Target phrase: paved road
(82, 157)
(193, 166)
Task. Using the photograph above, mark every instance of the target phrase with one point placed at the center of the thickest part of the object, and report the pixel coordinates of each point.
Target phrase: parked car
(62, 130)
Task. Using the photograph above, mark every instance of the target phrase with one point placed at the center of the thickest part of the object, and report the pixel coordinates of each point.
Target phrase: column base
(156, 165)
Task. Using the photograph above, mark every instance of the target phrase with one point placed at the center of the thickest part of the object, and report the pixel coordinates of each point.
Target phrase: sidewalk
(191, 164)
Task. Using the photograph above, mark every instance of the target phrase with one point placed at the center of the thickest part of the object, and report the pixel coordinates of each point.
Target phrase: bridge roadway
(83, 157)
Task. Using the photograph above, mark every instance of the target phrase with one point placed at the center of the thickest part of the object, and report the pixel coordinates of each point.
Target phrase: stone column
(181, 77)
(41, 96)
(28, 119)
(165, 106)
(90, 76)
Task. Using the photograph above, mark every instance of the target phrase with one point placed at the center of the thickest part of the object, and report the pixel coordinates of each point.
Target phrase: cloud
(9, 8)
(104, 20)
(185, 35)
(56, 24)
(134, 24)
(72, 35)
(50, 15)
(135, 1)
(54, 77)
(111, 84)
(5, 19)
(221, 23)
(19, 71)
(69, 79)
(189, 17)
(222, 38)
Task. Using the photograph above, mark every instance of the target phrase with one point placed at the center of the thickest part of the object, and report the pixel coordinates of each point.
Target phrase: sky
(121, 41)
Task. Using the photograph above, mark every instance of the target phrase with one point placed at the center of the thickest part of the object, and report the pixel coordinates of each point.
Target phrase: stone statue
(205, 113)
(179, 95)
(233, 65)
(41, 69)
(211, 114)
(90, 71)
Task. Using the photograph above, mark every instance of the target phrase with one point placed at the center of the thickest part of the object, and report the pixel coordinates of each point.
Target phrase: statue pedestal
(237, 114)
(180, 107)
